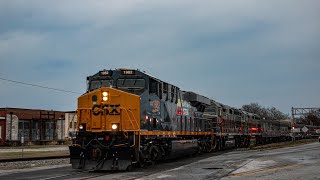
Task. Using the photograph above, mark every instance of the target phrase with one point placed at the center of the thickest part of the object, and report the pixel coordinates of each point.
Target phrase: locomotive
(129, 118)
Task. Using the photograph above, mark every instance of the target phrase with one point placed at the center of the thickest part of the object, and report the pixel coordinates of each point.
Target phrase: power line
(44, 87)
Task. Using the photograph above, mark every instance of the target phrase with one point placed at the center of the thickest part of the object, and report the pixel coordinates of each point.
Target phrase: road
(300, 162)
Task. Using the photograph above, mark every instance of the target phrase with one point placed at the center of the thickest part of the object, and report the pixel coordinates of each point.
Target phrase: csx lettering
(107, 109)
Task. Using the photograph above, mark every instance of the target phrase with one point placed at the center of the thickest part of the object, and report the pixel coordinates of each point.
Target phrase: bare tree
(267, 113)
(252, 108)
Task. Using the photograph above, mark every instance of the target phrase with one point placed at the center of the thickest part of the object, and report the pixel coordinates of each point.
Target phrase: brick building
(36, 126)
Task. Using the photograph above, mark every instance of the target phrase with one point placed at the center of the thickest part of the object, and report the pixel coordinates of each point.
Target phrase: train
(130, 118)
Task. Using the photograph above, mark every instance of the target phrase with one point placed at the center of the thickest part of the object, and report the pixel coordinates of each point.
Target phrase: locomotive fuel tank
(183, 147)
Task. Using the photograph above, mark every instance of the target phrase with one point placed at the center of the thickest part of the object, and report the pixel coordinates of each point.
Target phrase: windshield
(100, 83)
(131, 83)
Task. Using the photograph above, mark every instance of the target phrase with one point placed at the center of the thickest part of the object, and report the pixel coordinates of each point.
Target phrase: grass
(32, 146)
(16, 155)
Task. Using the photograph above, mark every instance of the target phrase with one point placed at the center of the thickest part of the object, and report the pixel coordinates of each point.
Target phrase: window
(131, 83)
(106, 83)
(23, 129)
(95, 85)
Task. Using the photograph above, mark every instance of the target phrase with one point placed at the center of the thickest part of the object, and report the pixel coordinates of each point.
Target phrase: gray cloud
(236, 52)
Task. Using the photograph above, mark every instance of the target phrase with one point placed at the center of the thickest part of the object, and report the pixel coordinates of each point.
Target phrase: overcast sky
(235, 52)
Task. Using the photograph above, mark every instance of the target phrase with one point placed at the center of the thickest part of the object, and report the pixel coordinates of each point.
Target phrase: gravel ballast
(31, 164)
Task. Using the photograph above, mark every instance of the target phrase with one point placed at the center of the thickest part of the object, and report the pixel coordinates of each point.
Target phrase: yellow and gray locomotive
(129, 118)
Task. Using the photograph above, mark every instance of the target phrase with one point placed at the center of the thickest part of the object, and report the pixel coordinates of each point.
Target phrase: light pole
(292, 125)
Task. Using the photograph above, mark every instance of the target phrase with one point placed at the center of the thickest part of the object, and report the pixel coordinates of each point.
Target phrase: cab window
(131, 83)
(95, 85)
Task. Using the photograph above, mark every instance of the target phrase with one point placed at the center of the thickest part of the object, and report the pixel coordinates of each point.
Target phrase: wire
(44, 87)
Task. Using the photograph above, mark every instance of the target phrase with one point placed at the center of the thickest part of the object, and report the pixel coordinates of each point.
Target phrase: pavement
(294, 163)
(302, 162)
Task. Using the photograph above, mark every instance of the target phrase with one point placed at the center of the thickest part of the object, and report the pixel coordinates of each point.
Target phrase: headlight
(82, 127)
(114, 126)
(105, 96)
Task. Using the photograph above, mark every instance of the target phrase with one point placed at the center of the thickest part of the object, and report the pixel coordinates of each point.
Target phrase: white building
(70, 124)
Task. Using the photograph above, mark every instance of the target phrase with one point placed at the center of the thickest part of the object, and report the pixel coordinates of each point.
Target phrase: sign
(105, 73)
(128, 72)
(2, 117)
(305, 129)
(318, 131)
(108, 109)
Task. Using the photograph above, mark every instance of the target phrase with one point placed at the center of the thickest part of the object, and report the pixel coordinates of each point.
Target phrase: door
(2, 132)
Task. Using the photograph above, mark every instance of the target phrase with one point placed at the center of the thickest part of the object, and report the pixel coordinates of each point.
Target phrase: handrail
(134, 118)
(126, 110)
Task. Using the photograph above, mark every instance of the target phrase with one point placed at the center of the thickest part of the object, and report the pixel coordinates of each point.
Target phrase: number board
(105, 73)
(128, 72)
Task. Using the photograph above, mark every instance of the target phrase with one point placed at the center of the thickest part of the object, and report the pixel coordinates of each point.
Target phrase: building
(70, 124)
(35, 125)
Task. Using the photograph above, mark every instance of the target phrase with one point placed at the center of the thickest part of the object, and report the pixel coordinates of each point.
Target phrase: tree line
(269, 113)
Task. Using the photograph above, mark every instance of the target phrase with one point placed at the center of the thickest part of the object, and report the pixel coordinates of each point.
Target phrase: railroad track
(33, 158)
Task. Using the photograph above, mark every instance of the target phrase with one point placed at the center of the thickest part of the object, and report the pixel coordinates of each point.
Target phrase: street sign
(305, 129)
